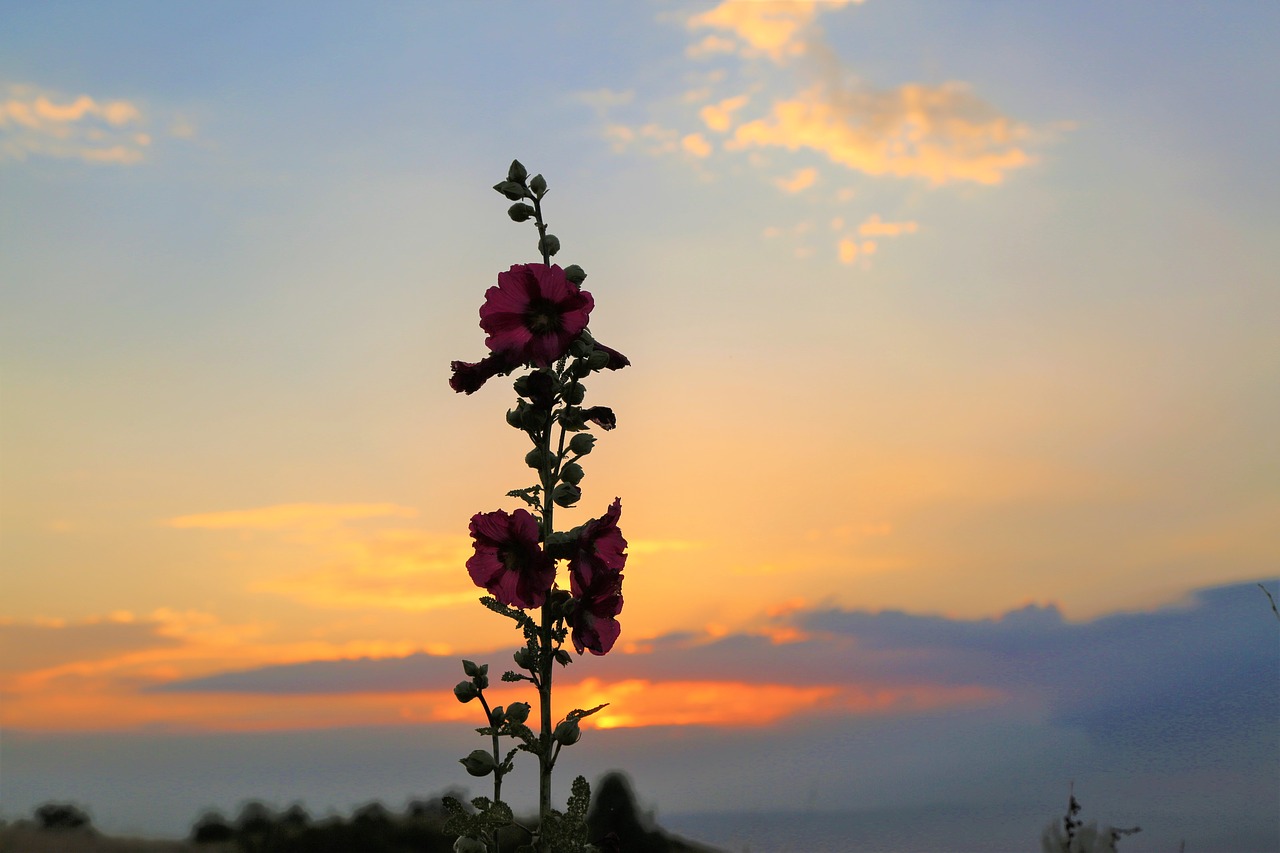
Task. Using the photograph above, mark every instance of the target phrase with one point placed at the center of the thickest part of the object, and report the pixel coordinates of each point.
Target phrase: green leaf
(578, 713)
(511, 190)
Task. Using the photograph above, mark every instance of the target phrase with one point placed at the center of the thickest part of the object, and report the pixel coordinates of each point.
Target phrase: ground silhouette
(615, 825)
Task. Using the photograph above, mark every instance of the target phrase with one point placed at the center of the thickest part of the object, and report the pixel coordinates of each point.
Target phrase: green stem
(545, 655)
(497, 770)
(542, 230)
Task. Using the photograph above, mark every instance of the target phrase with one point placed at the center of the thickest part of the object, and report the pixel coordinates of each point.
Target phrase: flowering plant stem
(546, 656)
(536, 318)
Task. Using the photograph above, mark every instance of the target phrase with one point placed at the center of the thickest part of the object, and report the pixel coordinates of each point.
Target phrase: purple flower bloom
(595, 579)
(509, 561)
(534, 313)
(594, 627)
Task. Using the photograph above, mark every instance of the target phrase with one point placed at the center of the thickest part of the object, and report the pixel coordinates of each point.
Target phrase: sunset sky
(950, 426)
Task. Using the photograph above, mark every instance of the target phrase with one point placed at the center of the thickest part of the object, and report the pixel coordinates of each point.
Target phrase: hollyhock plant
(509, 561)
(535, 322)
(534, 313)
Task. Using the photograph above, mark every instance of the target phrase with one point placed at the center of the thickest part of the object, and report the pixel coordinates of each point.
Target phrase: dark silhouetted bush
(212, 828)
(61, 817)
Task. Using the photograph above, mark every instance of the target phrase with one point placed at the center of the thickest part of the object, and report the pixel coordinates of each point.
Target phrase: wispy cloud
(36, 122)
(775, 96)
(801, 180)
(289, 515)
(771, 29)
(942, 134)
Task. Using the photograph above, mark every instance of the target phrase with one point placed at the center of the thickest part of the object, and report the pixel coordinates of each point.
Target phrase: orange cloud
(847, 249)
(289, 515)
(719, 117)
(942, 134)
(696, 144)
(874, 227)
(98, 703)
(710, 46)
(801, 180)
(772, 29)
(42, 123)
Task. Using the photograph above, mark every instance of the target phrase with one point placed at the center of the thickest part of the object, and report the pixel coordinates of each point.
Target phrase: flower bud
(495, 716)
(517, 712)
(515, 417)
(469, 845)
(540, 387)
(581, 346)
(575, 274)
(524, 658)
(566, 495)
(571, 419)
(573, 393)
(465, 691)
(479, 763)
(598, 360)
(520, 211)
(566, 734)
(571, 473)
(549, 244)
(517, 172)
(532, 420)
(538, 458)
(563, 657)
(473, 670)
(538, 185)
(582, 443)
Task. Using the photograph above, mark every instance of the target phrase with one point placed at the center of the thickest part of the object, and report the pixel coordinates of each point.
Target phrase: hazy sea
(881, 831)
(949, 830)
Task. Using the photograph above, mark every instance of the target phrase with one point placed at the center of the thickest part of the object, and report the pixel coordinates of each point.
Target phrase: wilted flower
(534, 313)
(601, 416)
(468, 378)
(509, 562)
(616, 361)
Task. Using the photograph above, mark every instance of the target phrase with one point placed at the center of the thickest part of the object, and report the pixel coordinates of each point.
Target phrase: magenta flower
(509, 561)
(594, 627)
(468, 378)
(534, 313)
(595, 579)
(601, 550)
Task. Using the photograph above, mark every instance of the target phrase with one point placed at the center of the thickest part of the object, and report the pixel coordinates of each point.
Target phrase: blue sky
(945, 319)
